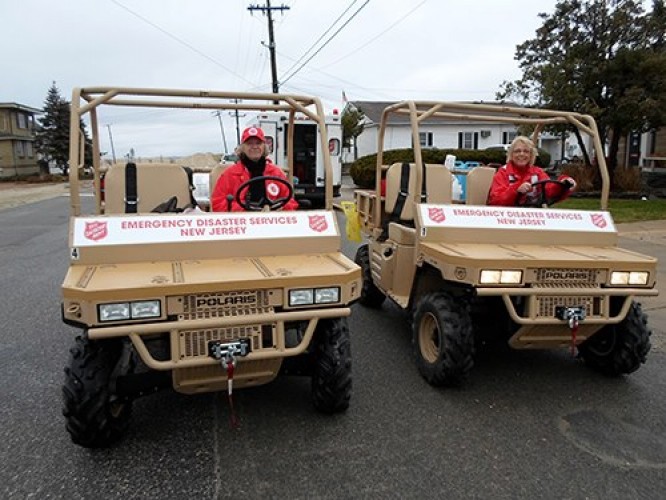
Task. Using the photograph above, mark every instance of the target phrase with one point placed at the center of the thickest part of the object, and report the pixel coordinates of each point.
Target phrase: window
(334, 147)
(28, 150)
(21, 122)
(18, 148)
(507, 137)
(425, 139)
(468, 140)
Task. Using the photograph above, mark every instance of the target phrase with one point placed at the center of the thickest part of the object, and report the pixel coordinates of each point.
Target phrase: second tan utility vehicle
(536, 276)
(195, 300)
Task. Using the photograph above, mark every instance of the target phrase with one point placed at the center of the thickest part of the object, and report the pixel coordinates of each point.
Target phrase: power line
(325, 43)
(377, 36)
(321, 36)
(182, 42)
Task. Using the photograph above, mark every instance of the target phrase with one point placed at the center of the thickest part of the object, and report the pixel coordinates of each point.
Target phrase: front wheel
(443, 339)
(332, 377)
(371, 296)
(96, 417)
(619, 349)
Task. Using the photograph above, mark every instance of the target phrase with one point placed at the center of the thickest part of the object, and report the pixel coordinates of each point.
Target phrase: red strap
(234, 421)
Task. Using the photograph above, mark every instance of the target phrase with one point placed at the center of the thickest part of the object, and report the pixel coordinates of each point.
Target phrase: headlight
(145, 309)
(501, 277)
(123, 311)
(114, 312)
(629, 278)
(311, 296)
(301, 297)
(327, 295)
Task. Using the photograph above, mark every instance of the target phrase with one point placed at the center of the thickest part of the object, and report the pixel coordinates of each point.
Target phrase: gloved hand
(570, 183)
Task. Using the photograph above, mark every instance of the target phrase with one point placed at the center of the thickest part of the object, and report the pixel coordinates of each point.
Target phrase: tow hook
(226, 353)
(573, 316)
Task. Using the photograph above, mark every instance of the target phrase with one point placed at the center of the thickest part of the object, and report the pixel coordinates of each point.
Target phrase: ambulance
(308, 174)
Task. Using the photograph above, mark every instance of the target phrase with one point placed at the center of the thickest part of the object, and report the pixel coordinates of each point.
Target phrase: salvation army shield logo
(599, 220)
(318, 223)
(272, 189)
(436, 215)
(95, 230)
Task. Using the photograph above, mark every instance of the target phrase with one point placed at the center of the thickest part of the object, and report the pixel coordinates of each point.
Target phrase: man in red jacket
(252, 163)
(513, 183)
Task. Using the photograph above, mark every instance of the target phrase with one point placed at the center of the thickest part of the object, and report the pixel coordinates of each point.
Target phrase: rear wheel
(332, 377)
(96, 417)
(619, 349)
(371, 296)
(443, 339)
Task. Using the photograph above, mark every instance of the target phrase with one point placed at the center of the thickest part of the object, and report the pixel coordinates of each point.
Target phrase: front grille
(546, 306)
(194, 343)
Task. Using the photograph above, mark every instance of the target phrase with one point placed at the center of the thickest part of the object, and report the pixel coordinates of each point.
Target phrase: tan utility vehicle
(537, 276)
(200, 301)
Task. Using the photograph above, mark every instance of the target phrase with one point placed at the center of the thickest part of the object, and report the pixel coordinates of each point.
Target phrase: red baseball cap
(253, 132)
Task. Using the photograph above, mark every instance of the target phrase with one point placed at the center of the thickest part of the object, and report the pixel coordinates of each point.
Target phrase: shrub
(623, 179)
(627, 179)
(362, 171)
(586, 176)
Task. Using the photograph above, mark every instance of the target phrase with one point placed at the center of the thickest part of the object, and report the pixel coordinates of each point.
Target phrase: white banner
(485, 217)
(176, 228)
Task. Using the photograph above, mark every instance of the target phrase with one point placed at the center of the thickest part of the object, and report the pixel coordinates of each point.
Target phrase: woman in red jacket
(513, 184)
(252, 163)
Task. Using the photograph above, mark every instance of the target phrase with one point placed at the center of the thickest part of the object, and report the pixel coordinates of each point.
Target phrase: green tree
(353, 121)
(600, 57)
(52, 132)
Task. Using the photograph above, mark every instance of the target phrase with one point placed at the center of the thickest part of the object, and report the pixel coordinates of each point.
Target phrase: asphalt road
(527, 425)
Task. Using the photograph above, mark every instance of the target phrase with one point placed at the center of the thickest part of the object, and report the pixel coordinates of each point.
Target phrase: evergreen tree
(599, 57)
(52, 132)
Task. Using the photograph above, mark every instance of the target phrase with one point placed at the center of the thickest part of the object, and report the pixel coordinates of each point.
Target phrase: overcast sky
(389, 50)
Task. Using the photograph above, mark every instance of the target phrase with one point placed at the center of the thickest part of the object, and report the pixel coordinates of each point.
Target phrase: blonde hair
(522, 140)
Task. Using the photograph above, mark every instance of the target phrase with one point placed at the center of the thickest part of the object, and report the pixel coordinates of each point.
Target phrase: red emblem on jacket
(318, 223)
(599, 220)
(95, 230)
(436, 214)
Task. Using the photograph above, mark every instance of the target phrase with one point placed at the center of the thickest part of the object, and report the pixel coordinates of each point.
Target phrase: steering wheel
(523, 201)
(258, 206)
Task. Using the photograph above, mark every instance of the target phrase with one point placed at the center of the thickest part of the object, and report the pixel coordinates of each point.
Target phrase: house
(433, 133)
(447, 134)
(17, 135)
(646, 150)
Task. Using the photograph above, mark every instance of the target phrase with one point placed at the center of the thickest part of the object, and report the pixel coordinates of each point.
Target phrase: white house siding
(445, 136)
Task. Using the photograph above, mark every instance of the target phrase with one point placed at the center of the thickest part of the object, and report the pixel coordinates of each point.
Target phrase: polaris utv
(535, 276)
(168, 295)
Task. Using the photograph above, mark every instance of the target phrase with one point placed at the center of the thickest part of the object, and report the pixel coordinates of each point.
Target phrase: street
(527, 425)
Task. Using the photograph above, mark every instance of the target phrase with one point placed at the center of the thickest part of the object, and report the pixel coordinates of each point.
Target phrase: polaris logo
(227, 301)
(562, 275)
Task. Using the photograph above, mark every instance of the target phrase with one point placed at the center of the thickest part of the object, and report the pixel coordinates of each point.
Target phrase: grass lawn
(621, 210)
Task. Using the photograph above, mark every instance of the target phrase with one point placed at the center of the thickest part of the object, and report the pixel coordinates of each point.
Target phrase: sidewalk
(14, 194)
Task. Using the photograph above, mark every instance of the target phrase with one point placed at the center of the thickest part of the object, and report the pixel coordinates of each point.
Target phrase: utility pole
(224, 138)
(235, 113)
(113, 150)
(267, 9)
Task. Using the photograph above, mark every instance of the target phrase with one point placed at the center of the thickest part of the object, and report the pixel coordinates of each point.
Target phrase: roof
(22, 107)
(373, 112)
